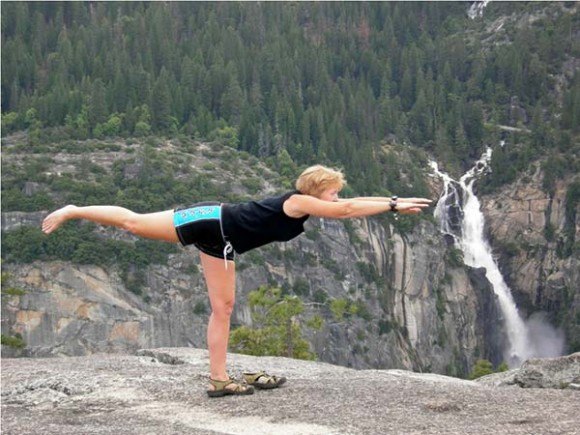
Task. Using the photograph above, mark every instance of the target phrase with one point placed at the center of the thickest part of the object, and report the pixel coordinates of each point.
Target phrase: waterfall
(534, 338)
(476, 9)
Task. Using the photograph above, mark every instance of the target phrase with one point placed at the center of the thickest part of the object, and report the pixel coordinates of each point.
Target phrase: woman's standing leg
(158, 226)
(221, 284)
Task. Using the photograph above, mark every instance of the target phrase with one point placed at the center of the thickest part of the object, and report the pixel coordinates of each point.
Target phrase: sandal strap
(221, 385)
(251, 378)
(260, 377)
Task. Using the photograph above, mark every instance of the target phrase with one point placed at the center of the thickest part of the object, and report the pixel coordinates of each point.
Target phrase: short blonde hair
(317, 178)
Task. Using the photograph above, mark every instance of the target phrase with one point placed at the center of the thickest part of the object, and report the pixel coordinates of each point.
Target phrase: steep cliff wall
(420, 316)
(535, 235)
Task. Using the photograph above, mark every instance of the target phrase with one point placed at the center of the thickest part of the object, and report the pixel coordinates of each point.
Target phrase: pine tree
(232, 99)
(275, 331)
(97, 107)
(161, 103)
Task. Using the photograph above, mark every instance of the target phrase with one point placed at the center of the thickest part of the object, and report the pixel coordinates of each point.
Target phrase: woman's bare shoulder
(300, 205)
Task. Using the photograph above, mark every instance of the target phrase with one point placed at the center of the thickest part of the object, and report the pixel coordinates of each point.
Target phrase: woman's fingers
(411, 207)
(416, 200)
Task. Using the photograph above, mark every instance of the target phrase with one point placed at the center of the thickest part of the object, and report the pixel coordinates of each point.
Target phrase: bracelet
(393, 203)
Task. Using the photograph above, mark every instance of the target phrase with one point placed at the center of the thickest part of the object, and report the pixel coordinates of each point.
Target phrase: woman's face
(330, 194)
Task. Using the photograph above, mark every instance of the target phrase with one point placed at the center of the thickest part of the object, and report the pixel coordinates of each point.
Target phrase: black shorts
(200, 225)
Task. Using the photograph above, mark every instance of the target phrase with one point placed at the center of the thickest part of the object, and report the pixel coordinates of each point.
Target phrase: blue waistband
(204, 212)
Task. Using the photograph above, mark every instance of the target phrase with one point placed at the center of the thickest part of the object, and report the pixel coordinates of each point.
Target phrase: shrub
(339, 308)
(13, 342)
(276, 332)
(483, 367)
(455, 257)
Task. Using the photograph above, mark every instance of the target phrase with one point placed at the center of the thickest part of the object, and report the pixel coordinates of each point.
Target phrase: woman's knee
(223, 308)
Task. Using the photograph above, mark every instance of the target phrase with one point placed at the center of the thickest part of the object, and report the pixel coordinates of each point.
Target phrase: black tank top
(252, 224)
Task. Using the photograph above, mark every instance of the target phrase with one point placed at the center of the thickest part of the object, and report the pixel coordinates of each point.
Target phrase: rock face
(530, 229)
(562, 372)
(419, 315)
(162, 391)
(549, 373)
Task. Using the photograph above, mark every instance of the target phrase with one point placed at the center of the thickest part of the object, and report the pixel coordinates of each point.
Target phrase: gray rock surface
(162, 391)
(562, 372)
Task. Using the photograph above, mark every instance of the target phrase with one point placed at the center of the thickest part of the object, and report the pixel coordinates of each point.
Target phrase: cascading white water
(524, 341)
(476, 9)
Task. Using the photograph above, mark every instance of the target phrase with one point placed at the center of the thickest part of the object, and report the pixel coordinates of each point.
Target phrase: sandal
(220, 389)
(263, 380)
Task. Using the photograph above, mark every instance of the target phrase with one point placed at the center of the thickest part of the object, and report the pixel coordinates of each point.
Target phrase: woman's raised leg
(157, 226)
(221, 284)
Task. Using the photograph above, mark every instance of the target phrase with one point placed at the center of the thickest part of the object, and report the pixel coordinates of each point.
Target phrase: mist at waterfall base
(460, 217)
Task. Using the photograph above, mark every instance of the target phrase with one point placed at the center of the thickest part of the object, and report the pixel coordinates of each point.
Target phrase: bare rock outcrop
(162, 391)
(558, 373)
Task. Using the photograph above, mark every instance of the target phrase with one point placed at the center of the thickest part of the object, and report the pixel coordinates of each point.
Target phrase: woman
(219, 230)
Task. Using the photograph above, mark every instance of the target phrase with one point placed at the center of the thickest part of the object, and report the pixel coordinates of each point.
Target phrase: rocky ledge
(162, 391)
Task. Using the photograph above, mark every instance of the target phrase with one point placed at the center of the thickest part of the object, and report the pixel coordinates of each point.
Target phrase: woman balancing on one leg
(218, 230)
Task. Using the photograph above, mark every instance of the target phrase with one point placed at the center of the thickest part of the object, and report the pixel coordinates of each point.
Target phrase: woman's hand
(414, 200)
(412, 205)
(408, 207)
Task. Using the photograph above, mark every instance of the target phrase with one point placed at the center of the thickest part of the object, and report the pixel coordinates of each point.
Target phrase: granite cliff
(535, 235)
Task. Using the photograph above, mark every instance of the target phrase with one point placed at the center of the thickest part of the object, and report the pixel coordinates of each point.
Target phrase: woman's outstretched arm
(387, 199)
(301, 205)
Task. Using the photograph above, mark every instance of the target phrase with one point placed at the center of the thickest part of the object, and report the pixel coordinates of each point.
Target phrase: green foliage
(79, 244)
(200, 308)
(554, 168)
(503, 367)
(338, 307)
(253, 185)
(384, 326)
(142, 129)
(333, 94)
(483, 367)
(320, 296)
(16, 199)
(9, 122)
(8, 290)
(12, 291)
(570, 244)
(312, 234)
(352, 235)
(277, 331)
(440, 303)
(549, 232)
(455, 257)
(226, 136)
(112, 127)
(315, 323)
(370, 273)
(301, 287)
(12, 341)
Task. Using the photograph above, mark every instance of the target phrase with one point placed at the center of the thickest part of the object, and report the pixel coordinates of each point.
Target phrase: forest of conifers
(326, 81)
